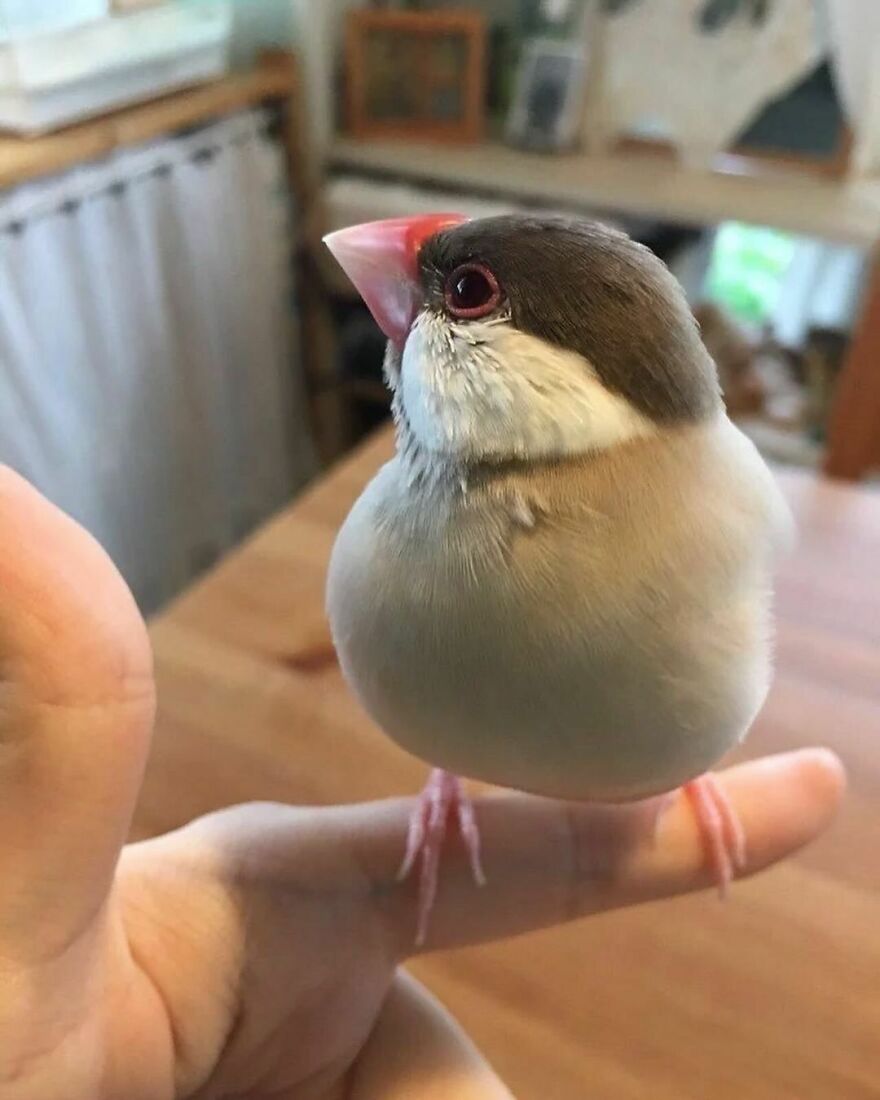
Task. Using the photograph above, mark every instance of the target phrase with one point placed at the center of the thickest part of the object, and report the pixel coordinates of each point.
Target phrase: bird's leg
(720, 827)
(443, 793)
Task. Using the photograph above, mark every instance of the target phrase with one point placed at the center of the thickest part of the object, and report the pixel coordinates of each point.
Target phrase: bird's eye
(472, 291)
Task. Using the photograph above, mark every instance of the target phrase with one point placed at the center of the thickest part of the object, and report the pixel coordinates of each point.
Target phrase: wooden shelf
(638, 184)
(23, 159)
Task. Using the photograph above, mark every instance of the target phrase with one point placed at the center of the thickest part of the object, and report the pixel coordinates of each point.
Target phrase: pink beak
(382, 260)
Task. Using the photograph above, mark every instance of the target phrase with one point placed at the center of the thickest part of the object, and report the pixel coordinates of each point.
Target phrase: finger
(547, 862)
(418, 1050)
(76, 707)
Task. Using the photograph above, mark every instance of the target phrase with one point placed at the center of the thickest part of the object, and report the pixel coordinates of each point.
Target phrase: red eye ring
(472, 291)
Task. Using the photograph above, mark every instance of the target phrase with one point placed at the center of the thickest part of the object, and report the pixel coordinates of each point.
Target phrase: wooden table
(775, 996)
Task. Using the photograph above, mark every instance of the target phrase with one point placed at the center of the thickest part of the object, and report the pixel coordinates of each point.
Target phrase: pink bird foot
(443, 793)
(721, 829)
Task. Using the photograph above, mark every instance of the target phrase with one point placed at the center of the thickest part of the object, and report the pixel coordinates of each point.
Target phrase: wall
(260, 24)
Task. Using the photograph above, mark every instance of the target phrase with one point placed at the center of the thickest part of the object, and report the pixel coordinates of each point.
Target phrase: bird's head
(520, 337)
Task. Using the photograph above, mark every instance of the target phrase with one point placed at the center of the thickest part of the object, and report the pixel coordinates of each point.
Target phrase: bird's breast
(550, 635)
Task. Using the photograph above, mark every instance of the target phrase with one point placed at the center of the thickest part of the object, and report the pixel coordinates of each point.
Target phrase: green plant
(749, 264)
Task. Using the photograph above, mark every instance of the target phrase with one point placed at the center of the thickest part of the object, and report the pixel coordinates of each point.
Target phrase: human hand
(255, 953)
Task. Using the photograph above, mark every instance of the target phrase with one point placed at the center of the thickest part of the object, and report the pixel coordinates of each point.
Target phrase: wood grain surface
(775, 996)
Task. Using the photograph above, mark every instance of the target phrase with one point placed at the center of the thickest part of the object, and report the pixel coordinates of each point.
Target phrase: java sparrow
(561, 582)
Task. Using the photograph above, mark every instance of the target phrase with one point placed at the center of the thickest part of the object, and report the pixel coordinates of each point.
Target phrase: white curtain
(148, 377)
(853, 28)
(822, 289)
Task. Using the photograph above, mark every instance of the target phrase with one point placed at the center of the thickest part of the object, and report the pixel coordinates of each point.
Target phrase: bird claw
(720, 827)
(428, 823)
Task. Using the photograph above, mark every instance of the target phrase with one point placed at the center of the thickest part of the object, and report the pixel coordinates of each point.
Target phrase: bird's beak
(382, 260)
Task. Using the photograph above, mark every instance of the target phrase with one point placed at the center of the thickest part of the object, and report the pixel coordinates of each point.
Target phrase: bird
(562, 581)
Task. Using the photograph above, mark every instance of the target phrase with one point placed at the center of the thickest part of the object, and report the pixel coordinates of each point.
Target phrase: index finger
(548, 862)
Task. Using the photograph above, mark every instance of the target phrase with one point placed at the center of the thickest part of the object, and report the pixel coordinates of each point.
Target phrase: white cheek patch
(487, 390)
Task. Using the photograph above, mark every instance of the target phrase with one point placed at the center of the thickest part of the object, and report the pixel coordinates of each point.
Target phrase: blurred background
(177, 355)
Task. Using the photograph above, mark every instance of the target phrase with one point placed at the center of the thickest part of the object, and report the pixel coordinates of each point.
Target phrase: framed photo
(549, 99)
(416, 75)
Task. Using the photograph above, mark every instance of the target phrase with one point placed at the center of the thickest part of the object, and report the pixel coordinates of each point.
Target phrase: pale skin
(255, 954)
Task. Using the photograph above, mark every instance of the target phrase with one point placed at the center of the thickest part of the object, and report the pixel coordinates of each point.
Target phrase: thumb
(76, 711)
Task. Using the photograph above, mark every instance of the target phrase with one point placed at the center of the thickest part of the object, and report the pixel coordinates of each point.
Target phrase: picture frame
(548, 101)
(416, 75)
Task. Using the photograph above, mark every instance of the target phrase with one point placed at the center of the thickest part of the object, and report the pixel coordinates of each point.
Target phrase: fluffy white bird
(562, 581)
